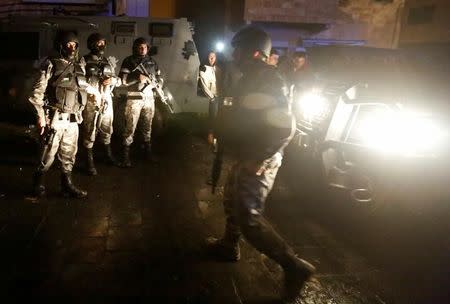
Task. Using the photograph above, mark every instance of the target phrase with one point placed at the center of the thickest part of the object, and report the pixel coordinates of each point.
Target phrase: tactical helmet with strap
(64, 39)
(92, 41)
(251, 39)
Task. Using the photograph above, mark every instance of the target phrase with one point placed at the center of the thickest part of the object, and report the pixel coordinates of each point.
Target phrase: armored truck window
(123, 28)
(161, 29)
(19, 46)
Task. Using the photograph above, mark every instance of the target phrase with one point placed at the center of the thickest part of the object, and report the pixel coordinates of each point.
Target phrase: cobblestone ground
(140, 235)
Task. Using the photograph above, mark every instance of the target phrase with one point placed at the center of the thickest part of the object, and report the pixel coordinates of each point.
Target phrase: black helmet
(65, 38)
(137, 43)
(92, 43)
(252, 38)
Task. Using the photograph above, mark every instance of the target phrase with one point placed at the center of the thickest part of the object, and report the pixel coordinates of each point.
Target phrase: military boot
(295, 276)
(90, 166)
(69, 189)
(38, 184)
(126, 162)
(110, 160)
(149, 154)
(223, 249)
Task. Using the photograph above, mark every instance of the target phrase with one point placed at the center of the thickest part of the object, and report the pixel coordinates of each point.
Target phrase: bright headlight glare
(312, 105)
(220, 46)
(395, 132)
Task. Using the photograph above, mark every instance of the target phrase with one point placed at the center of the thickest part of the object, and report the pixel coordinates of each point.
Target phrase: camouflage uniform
(140, 101)
(99, 106)
(257, 138)
(63, 83)
(98, 115)
(256, 129)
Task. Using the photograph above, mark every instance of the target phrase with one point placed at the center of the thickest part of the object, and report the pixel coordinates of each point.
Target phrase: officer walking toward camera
(256, 128)
(140, 75)
(58, 96)
(98, 114)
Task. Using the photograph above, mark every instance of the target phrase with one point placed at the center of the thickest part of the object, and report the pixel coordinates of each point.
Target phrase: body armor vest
(132, 64)
(63, 90)
(97, 69)
(258, 124)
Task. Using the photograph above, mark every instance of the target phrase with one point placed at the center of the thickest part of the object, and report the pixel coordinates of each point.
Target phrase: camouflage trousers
(244, 200)
(64, 145)
(97, 125)
(138, 112)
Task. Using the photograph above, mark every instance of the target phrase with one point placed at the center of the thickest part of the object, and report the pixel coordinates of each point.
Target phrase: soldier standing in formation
(62, 81)
(256, 129)
(98, 114)
(139, 74)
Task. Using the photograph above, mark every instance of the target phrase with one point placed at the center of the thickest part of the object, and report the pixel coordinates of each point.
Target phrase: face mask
(69, 53)
(100, 50)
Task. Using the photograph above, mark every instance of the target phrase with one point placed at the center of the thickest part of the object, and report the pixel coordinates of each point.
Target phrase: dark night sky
(209, 20)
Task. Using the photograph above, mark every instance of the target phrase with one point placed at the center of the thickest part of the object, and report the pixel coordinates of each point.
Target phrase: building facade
(425, 22)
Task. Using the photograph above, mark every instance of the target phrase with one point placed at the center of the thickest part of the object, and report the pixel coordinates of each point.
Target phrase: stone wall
(435, 30)
(375, 22)
(379, 21)
(295, 11)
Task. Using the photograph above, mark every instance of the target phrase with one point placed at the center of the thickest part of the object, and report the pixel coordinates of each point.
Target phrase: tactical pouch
(67, 98)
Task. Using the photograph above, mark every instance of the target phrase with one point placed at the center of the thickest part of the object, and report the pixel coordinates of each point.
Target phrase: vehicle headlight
(399, 132)
(312, 105)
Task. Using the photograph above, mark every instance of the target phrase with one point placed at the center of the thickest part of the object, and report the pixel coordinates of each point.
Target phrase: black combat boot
(69, 189)
(296, 273)
(38, 184)
(259, 233)
(90, 166)
(126, 162)
(109, 158)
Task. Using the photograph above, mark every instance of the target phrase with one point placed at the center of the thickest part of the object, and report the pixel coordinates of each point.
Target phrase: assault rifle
(103, 72)
(49, 132)
(154, 84)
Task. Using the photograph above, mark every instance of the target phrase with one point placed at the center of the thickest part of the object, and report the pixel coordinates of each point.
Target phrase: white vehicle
(377, 135)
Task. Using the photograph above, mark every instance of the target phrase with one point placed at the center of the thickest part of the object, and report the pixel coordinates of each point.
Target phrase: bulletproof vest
(63, 90)
(260, 124)
(97, 69)
(132, 64)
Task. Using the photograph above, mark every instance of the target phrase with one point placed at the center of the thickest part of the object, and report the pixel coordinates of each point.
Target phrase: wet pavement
(140, 235)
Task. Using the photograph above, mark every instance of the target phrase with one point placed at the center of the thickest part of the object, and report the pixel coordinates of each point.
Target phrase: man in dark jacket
(255, 129)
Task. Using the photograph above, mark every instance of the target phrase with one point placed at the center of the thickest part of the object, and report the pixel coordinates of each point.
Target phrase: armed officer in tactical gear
(98, 113)
(256, 128)
(140, 74)
(59, 96)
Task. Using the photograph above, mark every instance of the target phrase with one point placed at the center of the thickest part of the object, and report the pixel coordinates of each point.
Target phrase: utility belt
(58, 116)
(137, 96)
